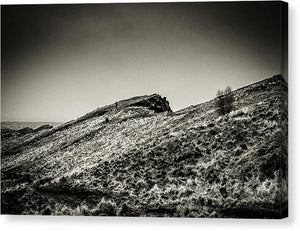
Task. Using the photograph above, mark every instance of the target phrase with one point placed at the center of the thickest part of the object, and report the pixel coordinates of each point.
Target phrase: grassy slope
(193, 163)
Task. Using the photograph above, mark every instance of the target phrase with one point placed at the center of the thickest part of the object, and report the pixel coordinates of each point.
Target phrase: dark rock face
(155, 103)
(47, 126)
(142, 162)
(24, 131)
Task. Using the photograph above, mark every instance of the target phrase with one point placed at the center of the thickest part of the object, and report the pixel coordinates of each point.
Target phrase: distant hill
(138, 158)
(21, 125)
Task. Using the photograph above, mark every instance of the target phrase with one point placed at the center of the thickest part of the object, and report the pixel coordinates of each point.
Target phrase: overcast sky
(62, 61)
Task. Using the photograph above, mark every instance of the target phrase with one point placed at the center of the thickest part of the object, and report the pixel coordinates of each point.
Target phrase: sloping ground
(12, 139)
(20, 125)
(145, 161)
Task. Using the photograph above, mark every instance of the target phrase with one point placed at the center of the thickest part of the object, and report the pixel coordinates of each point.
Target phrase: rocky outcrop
(43, 127)
(153, 102)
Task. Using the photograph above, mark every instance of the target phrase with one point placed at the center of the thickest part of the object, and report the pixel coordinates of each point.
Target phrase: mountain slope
(137, 158)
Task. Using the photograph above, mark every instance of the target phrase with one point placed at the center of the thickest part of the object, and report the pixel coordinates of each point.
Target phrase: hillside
(138, 158)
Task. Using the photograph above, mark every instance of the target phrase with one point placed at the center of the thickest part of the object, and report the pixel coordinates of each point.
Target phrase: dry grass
(192, 164)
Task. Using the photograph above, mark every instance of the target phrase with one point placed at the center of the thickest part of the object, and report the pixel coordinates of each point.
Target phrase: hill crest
(145, 162)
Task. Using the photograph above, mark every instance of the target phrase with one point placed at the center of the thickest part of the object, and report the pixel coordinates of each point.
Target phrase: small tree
(224, 102)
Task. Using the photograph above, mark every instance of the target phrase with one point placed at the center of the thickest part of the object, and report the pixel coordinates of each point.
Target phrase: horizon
(232, 90)
(60, 62)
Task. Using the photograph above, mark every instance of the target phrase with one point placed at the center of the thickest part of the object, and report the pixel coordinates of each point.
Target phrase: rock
(26, 130)
(43, 127)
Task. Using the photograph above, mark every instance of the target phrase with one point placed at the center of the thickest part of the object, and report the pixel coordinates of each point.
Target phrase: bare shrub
(224, 102)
